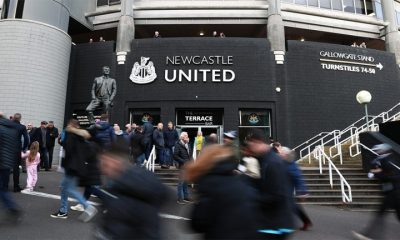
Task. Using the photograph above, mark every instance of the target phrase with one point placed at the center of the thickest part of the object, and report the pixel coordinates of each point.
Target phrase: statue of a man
(104, 90)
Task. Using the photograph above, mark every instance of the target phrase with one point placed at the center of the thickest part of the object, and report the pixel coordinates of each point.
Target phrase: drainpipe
(125, 31)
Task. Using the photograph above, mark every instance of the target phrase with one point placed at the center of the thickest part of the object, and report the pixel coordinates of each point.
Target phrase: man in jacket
(76, 155)
(182, 155)
(102, 132)
(275, 196)
(137, 146)
(171, 137)
(158, 139)
(148, 129)
(10, 145)
(52, 135)
(39, 135)
(24, 138)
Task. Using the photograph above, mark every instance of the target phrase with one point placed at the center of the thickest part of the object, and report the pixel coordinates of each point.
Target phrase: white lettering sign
(349, 62)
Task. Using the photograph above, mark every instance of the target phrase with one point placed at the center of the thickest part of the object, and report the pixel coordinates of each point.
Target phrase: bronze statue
(103, 92)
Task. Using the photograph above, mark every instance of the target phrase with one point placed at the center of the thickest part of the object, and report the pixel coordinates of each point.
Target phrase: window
(325, 4)
(254, 118)
(398, 17)
(360, 6)
(378, 9)
(301, 2)
(349, 6)
(313, 3)
(102, 3)
(337, 5)
(114, 2)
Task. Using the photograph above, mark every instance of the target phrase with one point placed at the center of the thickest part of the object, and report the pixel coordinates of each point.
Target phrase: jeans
(168, 155)
(51, 151)
(182, 187)
(140, 159)
(5, 196)
(68, 187)
(16, 172)
(160, 156)
(44, 158)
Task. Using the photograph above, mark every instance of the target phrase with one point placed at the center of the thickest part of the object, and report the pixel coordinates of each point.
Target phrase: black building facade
(215, 85)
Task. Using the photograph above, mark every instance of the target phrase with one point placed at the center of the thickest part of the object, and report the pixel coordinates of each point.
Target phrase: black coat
(92, 175)
(77, 151)
(148, 129)
(23, 134)
(51, 136)
(10, 144)
(226, 208)
(181, 154)
(134, 213)
(137, 144)
(275, 193)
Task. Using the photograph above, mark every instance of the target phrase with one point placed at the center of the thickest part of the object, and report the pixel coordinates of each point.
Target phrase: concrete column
(125, 31)
(276, 30)
(34, 66)
(392, 37)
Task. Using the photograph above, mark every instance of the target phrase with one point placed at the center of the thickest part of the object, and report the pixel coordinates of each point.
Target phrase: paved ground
(329, 223)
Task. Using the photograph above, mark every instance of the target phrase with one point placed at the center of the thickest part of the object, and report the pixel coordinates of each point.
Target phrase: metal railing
(337, 138)
(358, 151)
(322, 158)
(150, 163)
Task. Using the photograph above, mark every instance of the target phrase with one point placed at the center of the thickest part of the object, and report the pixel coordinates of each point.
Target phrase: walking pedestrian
(148, 129)
(76, 150)
(32, 159)
(226, 205)
(10, 146)
(275, 200)
(137, 196)
(386, 167)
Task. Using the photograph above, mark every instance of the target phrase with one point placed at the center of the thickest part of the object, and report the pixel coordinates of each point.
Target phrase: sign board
(200, 117)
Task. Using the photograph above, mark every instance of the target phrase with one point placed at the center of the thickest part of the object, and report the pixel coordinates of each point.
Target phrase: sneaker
(187, 200)
(359, 236)
(78, 207)
(88, 214)
(59, 215)
(181, 202)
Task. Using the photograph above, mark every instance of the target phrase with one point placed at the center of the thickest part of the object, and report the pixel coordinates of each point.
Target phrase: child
(32, 160)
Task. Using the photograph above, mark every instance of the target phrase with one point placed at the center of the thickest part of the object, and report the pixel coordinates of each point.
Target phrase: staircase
(169, 177)
(366, 192)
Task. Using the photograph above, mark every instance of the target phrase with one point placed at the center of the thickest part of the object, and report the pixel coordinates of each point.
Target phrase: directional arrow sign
(380, 66)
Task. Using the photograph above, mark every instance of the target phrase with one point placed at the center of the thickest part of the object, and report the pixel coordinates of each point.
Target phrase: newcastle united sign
(199, 70)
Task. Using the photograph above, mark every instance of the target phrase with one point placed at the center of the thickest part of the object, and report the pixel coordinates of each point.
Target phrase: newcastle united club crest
(144, 72)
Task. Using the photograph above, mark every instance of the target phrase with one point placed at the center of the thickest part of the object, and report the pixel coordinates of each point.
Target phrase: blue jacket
(297, 178)
(10, 143)
(102, 133)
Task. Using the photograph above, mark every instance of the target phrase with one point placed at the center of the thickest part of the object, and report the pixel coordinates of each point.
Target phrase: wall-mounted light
(201, 33)
(302, 39)
(278, 89)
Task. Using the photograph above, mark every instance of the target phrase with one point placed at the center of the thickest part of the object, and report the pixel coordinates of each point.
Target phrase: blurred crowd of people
(240, 192)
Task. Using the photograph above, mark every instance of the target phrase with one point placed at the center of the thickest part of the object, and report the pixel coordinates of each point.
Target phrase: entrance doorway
(206, 130)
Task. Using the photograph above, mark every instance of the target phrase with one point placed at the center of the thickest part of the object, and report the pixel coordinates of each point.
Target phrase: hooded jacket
(225, 209)
(133, 211)
(77, 151)
(103, 133)
(10, 143)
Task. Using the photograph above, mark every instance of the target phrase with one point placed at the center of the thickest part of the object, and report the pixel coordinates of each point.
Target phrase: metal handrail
(150, 163)
(320, 141)
(322, 156)
(309, 140)
(357, 144)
